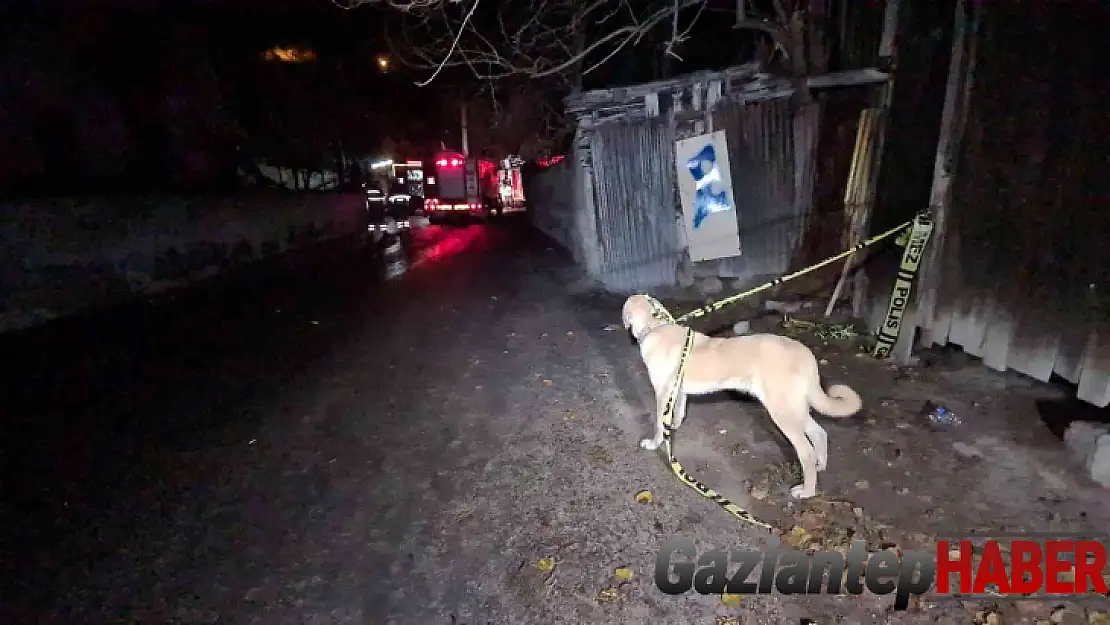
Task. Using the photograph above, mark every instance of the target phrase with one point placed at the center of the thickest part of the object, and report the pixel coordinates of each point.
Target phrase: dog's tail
(839, 401)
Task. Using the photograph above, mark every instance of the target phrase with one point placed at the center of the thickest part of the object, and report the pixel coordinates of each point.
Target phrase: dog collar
(658, 311)
(648, 331)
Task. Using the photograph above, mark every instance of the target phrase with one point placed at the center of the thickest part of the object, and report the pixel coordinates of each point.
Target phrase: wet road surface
(311, 444)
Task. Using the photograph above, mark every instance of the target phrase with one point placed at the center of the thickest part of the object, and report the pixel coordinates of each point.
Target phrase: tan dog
(778, 371)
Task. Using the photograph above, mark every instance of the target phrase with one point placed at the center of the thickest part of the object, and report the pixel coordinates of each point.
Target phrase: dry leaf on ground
(608, 594)
(797, 537)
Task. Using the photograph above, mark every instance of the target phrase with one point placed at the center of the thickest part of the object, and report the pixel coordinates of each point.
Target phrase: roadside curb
(13, 322)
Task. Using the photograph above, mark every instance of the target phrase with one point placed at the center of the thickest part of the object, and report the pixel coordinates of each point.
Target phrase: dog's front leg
(651, 444)
(680, 409)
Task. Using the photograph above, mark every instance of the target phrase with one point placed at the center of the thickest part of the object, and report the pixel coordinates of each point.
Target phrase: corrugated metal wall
(765, 176)
(633, 172)
(630, 221)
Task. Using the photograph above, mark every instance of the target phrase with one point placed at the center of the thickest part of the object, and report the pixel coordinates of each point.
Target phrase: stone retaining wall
(61, 255)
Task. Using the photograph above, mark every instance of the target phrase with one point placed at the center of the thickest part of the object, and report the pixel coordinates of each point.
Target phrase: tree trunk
(575, 78)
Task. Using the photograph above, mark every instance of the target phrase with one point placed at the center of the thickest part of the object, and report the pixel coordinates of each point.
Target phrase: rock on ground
(711, 285)
(1090, 442)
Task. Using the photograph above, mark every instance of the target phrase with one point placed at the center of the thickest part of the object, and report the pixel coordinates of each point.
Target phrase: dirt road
(458, 446)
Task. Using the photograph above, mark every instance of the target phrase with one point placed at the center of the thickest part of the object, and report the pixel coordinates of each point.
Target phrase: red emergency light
(549, 162)
(486, 169)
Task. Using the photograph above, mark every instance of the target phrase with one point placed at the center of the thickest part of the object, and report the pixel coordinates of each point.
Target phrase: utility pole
(465, 151)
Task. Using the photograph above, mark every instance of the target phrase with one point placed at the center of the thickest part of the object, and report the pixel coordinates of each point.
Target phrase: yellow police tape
(715, 306)
(669, 429)
(899, 298)
(919, 230)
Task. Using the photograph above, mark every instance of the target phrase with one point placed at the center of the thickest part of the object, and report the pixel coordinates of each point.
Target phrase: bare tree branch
(454, 44)
(557, 39)
(528, 53)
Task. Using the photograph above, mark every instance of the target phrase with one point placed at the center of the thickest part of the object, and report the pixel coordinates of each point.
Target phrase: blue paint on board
(703, 167)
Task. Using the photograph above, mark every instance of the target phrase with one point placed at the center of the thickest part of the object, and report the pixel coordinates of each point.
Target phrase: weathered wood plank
(890, 29)
(982, 315)
(1094, 382)
(936, 330)
(927, 305)
(876, 307)
(1036, 339)
(969, 325)
(950, 135)
(848, 78)
(740, 84)
(939, 327)
(1069, 353)
(859, 192)
(999, 336)
(738, 78)
(903, 348)
(1036, 353)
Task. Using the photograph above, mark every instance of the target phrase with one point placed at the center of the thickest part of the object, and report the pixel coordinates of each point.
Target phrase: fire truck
(453, 188)
(471, 187)
(509, 184)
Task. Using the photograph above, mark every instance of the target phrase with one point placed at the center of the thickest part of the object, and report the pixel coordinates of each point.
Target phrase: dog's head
(637, 314)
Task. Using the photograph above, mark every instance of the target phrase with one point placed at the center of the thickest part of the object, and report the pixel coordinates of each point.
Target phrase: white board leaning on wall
(708, 204)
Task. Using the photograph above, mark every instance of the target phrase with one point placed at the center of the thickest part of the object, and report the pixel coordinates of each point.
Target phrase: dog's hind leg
(820, 439)
(807, 457)
(789, 417)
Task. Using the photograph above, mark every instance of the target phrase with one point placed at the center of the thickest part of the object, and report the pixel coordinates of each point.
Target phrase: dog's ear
(626, 313)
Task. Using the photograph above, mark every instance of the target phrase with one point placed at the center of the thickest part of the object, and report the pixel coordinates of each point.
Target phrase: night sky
(103, 96)
(132, 94)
